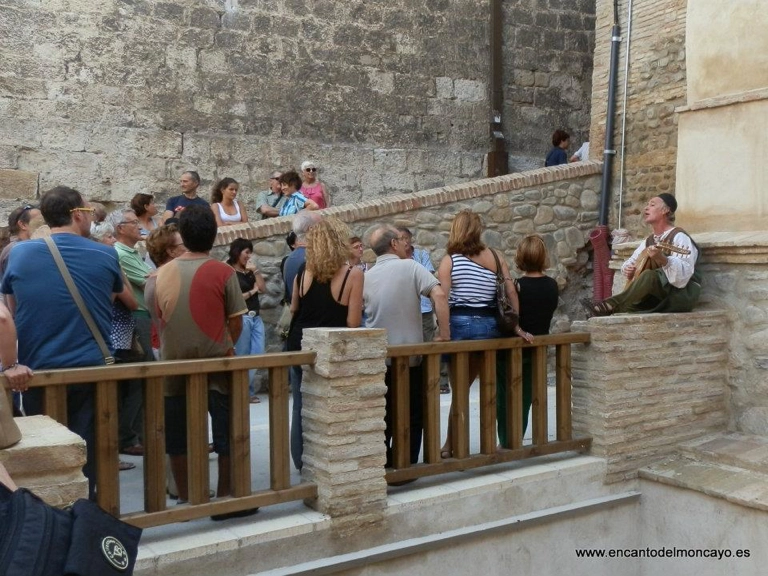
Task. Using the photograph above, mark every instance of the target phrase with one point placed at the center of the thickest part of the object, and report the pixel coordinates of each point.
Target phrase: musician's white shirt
(679, 267)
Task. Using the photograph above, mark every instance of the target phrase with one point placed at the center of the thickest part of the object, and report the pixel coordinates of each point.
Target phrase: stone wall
(121, 96)
(656, 86)
(647, 382)
(547, 72)
(559, 203)
(735, 271)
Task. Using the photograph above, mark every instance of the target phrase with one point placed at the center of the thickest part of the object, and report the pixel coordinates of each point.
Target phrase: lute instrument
(644, 262)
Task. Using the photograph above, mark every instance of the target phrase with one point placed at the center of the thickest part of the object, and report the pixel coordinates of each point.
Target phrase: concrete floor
(132, 481)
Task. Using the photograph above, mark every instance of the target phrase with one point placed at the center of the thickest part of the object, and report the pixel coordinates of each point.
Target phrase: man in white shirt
(391, 298)
(660, 280)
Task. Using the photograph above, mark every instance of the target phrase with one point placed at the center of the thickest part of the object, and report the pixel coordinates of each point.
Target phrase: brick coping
(399, 203)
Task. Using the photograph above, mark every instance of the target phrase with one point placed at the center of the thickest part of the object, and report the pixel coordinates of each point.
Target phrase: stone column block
(47, 461)
(647, 382)
(343, 420)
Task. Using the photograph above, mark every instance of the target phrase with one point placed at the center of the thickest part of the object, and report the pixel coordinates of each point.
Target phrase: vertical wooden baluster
(514, 399)
(460, 386)
(197, 438)
(279, 432)
(240, 434)
(107, 471)
(55, 403)
(432, 408)
(154, 445)
(539, 395)
(488, 402)
(563, 368)
(401, 419)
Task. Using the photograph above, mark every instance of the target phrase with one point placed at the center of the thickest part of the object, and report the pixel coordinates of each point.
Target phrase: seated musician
(662, 271)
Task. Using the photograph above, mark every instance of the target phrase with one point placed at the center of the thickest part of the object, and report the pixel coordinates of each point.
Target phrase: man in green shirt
(128, 234)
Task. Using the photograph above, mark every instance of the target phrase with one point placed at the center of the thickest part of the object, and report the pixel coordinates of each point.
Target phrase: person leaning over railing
(468, 273)
(538, 295)
(51, 327)
(17, 374)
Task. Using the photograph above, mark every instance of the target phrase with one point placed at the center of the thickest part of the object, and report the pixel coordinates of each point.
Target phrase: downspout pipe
(498, 159)
(602, 284)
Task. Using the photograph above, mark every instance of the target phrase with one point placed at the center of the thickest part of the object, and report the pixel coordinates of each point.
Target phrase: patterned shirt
(293, 204)
(194, 298)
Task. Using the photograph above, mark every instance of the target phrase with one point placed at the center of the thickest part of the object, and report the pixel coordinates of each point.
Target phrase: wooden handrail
(105, 381)
(482, 345)
(67, 376)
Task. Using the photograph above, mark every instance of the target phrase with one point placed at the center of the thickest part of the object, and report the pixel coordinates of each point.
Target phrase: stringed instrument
(644, 262)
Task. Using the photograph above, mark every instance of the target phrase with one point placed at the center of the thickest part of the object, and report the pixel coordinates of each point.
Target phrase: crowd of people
(88, 284)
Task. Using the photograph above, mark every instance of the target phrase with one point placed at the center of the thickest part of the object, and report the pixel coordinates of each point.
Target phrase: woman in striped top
(468, 274)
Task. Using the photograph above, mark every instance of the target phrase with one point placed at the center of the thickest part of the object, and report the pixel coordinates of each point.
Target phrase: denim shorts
(474, 327)
(176, 423)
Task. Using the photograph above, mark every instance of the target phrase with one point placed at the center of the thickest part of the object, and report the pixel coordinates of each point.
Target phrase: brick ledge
(400, 203)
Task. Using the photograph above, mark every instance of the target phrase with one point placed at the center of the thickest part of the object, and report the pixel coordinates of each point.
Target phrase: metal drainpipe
(498, 160)
(609, 153)
(602, 282)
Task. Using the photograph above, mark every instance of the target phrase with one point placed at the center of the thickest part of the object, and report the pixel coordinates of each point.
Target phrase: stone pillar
(48, 461)
(648, 382)
(343, 420)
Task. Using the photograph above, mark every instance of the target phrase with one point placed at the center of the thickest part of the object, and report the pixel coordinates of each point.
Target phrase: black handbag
(507, 317)
(37, 539)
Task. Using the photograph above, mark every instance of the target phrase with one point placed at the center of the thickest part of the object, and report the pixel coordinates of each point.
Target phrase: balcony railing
(486, 352)
(155, 512)
(105, 380)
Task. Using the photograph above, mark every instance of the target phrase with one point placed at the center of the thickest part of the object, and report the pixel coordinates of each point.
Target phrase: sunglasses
(310, 169)
(24, 208)
(83, 209)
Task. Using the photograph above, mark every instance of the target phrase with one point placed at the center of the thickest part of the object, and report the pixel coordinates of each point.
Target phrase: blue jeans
(473, 327)
(251, 341)
(482, 327)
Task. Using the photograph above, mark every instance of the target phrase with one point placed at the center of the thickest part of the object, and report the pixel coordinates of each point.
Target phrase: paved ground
(131, 481)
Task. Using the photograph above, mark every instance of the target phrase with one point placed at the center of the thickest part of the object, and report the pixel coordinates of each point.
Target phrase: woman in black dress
(327, 292)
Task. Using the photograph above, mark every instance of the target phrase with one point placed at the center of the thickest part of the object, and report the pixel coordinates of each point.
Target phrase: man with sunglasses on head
(51, 330)
(271, 201)
(19, 228)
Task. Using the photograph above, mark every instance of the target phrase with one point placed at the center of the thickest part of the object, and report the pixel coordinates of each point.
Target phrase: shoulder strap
(344, 283)
(277, 200)
(499, 273)
(108, 358)
(650, 241)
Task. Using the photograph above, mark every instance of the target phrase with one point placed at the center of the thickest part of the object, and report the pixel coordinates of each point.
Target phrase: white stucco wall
(727, 48)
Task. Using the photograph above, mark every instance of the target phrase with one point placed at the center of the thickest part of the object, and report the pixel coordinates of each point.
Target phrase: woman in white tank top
(225, 208)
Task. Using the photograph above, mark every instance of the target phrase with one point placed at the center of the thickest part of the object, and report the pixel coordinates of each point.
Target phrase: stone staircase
(730, 466)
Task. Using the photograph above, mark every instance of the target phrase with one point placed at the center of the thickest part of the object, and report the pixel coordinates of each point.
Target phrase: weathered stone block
(18, 184)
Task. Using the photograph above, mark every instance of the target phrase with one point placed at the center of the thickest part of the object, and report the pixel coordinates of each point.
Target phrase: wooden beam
(107, 471)
(279, 429)
(431, 365)
(563, 388)
(154, 445)
(240, 434)
(488, 402)
(197, 438)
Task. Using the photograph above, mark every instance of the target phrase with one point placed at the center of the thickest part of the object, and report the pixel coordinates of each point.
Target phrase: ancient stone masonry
(657, 85)
(559, 203)
(120, 96)
(547, 71)
(647, 382)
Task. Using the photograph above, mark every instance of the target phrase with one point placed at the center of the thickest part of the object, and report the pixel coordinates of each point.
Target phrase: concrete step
(732, 449)
(730, 466)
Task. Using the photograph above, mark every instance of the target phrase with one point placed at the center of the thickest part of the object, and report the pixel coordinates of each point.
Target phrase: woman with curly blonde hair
(327, 293)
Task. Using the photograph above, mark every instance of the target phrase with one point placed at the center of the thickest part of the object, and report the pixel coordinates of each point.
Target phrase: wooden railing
(486, 352)
(105, 380)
